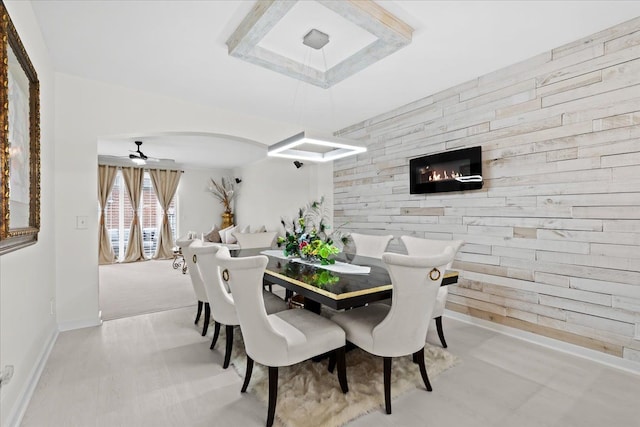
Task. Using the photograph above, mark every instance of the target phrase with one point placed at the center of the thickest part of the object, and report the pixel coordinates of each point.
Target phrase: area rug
(309, 395)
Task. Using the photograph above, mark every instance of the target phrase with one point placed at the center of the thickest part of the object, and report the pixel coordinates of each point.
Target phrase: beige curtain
(106, 178)
(165, 183)
(133, 180)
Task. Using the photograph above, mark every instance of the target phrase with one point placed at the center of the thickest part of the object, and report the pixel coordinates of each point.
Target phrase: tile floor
(156, 370)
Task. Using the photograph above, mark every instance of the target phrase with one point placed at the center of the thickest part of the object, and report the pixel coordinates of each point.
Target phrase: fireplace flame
(440, 176)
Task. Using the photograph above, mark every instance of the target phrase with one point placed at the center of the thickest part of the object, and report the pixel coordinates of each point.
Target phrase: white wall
(273, 188)
(27, 276)
(198, 209)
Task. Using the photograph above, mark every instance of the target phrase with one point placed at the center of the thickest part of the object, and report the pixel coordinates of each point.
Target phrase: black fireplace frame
(473, 154)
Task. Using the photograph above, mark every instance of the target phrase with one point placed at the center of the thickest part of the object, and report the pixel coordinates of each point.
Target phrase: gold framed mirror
(19, 142)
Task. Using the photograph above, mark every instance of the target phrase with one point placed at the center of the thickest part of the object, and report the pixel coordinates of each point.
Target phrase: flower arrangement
(307, 237)
(223, 191)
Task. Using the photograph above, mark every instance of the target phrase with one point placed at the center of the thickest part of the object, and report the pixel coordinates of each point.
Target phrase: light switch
(81, 222)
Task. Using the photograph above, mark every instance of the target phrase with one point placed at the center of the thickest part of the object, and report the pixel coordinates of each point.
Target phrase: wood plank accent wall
(553, 238)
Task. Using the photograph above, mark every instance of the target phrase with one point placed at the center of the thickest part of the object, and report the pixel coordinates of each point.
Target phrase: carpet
(309, 395)
(130, 289)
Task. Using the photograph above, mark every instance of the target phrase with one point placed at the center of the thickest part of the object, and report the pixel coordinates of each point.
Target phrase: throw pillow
(227, 236)
(213, 236)
(246, 229)
(262, 229)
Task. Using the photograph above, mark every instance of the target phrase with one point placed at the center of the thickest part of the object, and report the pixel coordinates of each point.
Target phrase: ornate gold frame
(16, 238)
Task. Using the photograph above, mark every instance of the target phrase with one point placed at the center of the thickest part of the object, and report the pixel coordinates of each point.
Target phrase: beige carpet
(309, 395)
(130, 289)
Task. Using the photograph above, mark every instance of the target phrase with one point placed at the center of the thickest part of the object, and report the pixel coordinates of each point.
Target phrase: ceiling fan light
(138, 161)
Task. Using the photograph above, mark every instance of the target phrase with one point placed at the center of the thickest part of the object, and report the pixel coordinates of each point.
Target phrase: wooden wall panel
(553, 237)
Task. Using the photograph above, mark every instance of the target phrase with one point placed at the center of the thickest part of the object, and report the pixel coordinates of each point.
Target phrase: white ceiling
(147, 45)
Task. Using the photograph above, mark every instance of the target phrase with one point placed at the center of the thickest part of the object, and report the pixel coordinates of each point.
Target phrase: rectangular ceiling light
(332, 148)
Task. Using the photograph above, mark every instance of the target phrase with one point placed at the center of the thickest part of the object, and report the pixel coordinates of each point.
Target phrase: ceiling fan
(138, 157)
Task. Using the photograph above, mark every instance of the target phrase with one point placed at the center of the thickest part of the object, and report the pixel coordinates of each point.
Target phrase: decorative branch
(223, 191)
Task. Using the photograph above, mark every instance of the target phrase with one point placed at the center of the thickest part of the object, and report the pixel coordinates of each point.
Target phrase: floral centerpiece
(306, 236)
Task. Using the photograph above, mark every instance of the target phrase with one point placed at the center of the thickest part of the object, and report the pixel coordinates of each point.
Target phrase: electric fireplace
(456, 170)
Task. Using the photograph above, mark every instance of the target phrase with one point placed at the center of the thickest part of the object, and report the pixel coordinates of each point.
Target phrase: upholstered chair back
(370, 245)
(263, 341)
(417, 246)
(255, 240)
(220, 300)
(416, 281)
(194, 273)
(427, 247)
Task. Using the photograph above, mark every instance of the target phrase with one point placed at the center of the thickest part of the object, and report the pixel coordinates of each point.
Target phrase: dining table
(353, 281)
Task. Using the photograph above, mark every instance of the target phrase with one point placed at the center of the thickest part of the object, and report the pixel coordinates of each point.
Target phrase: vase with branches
(225, 192)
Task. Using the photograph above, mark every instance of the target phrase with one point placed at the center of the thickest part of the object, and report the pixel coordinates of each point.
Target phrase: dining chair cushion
(308, 334)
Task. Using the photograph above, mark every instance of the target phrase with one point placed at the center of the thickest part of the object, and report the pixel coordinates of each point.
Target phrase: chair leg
(247, 374)
(199, 313)
(423, 369)
(216, 332)
(273, 394)
(440, 331)
(207, 317)
(342, 369)
(387, 384)
(227, 351)
(332, 362)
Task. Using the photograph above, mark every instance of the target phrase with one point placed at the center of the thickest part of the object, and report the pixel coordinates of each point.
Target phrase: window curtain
(165, 184)
(106, 178)
(133, 181)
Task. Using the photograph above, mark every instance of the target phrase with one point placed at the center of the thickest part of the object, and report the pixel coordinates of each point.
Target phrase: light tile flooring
(156, 370)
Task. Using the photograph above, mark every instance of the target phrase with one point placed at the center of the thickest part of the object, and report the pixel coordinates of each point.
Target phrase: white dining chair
(280, 339)
(196, 281)
(370, 245)
(399, 329)
(428, 247)
(222, 303)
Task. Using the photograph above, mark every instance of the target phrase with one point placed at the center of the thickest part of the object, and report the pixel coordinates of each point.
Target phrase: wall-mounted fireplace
(455, 170)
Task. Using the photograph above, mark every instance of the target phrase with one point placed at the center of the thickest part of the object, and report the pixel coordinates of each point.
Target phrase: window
(119, 214)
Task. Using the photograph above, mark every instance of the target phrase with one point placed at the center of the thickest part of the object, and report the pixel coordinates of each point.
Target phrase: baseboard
(575, 350)
(79, 324)
(20, 407)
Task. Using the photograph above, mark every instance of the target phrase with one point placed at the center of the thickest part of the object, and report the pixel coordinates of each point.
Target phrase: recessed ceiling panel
(345, 37)
(251, 43)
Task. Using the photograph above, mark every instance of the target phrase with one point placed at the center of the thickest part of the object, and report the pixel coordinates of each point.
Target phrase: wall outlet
(6, 374)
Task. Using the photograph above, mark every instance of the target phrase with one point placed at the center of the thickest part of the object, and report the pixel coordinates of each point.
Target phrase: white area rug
(130, 289)
(309, 395)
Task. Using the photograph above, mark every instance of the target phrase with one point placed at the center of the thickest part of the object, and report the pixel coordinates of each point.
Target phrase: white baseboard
(20, 407)
(576, 350)
(79, 324)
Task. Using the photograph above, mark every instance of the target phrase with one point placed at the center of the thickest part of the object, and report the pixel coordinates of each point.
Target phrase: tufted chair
(280, 339)
(196, 280)
(399, 329)
(221, 301)
(426, 247)
(370, 245)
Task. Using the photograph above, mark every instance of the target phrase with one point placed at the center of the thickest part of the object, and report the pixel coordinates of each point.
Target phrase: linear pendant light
(328, 148)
